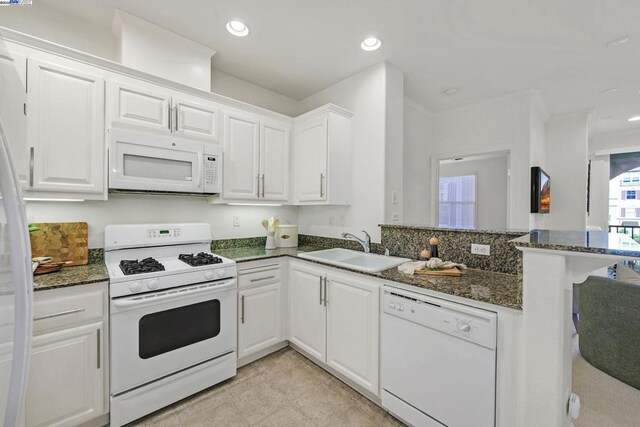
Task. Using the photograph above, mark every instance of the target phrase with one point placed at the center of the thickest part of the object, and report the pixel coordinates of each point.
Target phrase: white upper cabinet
(197, 119)
(139, 106)
(322, 146)
(13, 72)
(241, 156)
(256, 157)
(274, 160)
(65, 128)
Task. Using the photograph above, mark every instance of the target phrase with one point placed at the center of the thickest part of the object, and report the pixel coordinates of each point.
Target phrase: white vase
(271, 240)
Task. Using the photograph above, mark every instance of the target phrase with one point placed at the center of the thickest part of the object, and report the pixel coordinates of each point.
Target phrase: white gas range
(173, 310)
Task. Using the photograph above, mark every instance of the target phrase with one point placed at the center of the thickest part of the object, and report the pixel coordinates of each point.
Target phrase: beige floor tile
(322, 404)
(296, 382)
(286, 416)
(211, 412)
(259, 402)
(353, 416)
(162, 418)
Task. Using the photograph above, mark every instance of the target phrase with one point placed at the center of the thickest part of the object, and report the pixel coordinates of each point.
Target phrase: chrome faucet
(366, 242)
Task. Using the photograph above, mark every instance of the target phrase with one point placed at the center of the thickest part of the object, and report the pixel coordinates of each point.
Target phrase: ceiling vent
(147, 47)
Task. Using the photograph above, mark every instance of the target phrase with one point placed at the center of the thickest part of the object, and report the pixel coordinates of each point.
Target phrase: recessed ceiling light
(618, 41)
(371, 43)
(611, 90)
(634, 119)
(237, 28)
(452, 91)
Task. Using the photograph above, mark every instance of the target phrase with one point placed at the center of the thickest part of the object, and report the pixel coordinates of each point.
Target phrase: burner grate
(202, 258)
(147, 265)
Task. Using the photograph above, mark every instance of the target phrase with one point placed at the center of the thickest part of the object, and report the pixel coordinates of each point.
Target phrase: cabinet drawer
(260, 276)
(63, 309)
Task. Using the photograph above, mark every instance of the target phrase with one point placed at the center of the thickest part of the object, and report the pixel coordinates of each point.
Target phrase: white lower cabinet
(353, 328)
(334, 317)
(261, 305)
(67, 383)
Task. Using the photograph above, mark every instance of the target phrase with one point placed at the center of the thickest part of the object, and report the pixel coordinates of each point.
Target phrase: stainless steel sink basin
(368, 263)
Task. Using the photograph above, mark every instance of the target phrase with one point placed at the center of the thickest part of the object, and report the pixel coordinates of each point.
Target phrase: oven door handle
(144, 299)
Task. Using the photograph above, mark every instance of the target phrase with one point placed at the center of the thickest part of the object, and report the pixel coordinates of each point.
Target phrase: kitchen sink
(368, 263)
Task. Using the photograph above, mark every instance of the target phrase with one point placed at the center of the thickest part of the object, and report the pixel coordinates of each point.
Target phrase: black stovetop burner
(202, 258)
(147, 265)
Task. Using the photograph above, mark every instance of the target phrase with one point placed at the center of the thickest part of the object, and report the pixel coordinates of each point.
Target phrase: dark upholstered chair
(610, 327)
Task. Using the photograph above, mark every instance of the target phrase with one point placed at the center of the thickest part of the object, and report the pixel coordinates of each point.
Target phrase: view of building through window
(457, 202)
(624, 203)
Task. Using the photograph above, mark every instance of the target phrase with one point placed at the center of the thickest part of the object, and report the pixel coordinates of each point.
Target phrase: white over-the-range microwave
(149, 162)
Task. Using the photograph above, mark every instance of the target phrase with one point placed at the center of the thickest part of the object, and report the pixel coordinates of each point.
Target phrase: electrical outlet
(480, 249)
(394, 197)
(236, 221)
(395, 216)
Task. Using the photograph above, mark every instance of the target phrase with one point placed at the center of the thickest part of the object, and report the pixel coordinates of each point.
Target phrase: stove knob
(135, 287)
(153, 284)
(222, 272)
(209, 275)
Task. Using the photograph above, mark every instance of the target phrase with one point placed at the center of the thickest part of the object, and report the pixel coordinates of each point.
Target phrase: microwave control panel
(211, 173)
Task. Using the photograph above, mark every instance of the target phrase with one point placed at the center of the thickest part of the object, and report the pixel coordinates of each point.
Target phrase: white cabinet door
(260, 313)
(352, 328)
(197, 119)
(241, 156)
(311, 159)
(13, 72)
(66, 383)
(274, 160)
(65, 119)
(139, 106)
(307, 314)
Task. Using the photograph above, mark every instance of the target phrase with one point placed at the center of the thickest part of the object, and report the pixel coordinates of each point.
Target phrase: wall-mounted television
(540, 191)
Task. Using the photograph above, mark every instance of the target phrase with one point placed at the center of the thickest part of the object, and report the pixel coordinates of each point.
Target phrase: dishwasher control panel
(469, 323)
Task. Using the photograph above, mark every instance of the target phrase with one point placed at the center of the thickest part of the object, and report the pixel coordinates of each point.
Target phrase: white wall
(566, 163)
(364, 95)
(133, 209)
(394, 142)
(418, 129)
(236, 88)
(491, 188)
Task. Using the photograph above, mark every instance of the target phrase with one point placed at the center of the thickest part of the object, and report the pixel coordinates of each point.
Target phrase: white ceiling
(486, 48)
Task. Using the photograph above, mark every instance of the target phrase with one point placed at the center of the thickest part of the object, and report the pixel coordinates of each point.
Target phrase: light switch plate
(480, 249)
(236, 221)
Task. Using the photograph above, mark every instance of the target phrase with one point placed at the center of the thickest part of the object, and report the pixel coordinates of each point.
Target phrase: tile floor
(282, 389)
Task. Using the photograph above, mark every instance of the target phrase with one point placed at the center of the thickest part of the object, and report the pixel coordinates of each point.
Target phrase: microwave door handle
(201, 171)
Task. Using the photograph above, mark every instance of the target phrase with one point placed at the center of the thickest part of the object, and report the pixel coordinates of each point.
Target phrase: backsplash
(455, 245)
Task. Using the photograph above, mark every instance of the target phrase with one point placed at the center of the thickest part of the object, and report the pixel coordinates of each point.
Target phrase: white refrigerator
(16, 292)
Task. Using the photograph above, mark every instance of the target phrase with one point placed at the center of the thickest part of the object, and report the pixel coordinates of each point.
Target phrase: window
(457, 202)
(631, 195)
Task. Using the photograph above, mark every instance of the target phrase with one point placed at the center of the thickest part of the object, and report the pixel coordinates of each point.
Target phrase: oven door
(160, 333)
(148, 162)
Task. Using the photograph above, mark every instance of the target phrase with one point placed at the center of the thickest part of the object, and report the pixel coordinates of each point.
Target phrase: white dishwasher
(438, 361)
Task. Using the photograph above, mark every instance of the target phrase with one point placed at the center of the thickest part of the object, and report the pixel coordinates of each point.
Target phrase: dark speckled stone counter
(494, 288)
(596, 242)
(72, 276)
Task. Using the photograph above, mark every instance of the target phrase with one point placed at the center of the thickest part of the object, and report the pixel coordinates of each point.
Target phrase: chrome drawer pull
(242, 309)
(31, 165)
(62, 313)
(262, 278)
(98, 348)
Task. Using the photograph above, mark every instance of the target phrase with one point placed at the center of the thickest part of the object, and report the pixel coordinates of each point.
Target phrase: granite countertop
(597, 242)
(507, 231)
(494, 288)
(72, 276)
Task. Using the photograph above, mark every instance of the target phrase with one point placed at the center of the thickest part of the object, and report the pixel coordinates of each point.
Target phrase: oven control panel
(164, 233)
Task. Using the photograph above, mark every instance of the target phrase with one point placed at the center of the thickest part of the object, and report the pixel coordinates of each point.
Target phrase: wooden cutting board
(62, 241)
(453, 272)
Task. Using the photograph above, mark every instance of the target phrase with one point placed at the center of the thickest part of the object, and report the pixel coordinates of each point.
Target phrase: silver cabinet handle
(320, 290)
(62, 313)
(258, 184)
(31, 160)
(262, 185)
(262, 278)
(177, 124)
(242, 309)
(325, 292)
(98, 362)
(170, 109)
(321, 186)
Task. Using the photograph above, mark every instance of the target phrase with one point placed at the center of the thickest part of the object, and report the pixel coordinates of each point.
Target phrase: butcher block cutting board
(62, 241)
(453, 272)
